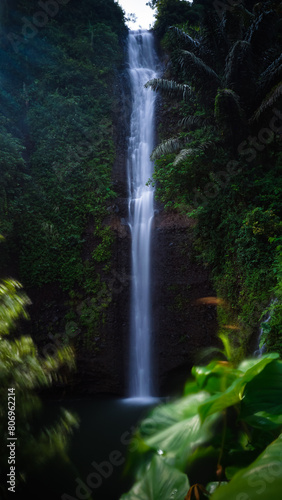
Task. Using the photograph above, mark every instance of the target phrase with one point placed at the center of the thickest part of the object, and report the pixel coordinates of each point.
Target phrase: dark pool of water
(97, 453)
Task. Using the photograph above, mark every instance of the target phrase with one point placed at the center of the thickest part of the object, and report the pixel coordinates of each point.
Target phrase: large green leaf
(175, 429)
(234, 393)
(160, 482)
(216, 376)
(179, 439)
(264, 392)
(165, 415)
(262, 479)
(247, 364)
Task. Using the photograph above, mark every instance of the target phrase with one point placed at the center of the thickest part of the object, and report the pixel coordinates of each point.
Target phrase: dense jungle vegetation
(58, 110)
(22, 374)
(219, 159)
(219, 162)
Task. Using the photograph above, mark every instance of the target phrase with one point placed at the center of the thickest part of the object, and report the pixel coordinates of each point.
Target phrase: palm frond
(193, 65)
(170, 88)
(268, 102)
(214, 42)
(238, 58)
(184, 153)
(227, 101)
(229, 115)
(232, 26)
(192, 122)
(271, 75)
(206, 145)
(168, 146)
(185, 40)
(261, 31)
(239, 70)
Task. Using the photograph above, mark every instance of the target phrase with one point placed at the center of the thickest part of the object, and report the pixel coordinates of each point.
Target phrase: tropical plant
(22, 373)
(221, 439)
(219, 157)
(229, 66)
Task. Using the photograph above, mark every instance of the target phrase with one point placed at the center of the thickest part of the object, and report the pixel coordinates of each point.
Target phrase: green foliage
(102, 252)
(57, 140)
(221, 169)
(225, 428)
(23, 371)
(169, 88)
(227, 103)
(151, 488)
(13, 302)
(12, 174)
(272, 314)
(177, 177)
(172, 12)
(252, 482)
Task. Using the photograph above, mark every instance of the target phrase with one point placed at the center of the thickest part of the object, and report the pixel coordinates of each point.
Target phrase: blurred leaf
(234, 393)
(174, 430)
(262, 477)
(160, 482)
(22, 369)
(13, 302)
(216, 376)
(264, 393)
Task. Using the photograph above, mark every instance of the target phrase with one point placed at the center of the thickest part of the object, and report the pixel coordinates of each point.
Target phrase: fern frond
(170, 88)
(268, 102)
(168, 146)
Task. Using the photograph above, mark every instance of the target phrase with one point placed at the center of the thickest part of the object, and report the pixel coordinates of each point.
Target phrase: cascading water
(261, 349)
(142, 67)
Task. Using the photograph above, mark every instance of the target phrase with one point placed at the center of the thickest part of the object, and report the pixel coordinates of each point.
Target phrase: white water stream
(142, 61)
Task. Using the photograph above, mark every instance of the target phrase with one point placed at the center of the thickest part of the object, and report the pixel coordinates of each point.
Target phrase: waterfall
(142, 61)
(261, 349)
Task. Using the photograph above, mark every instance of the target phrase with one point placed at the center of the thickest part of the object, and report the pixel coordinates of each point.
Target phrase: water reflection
(97, 452)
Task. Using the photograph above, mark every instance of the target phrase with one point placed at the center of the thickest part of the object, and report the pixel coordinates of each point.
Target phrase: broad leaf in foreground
(160, 482)
(234, 393)
(264, 393)
(262, 479)
(176, 429)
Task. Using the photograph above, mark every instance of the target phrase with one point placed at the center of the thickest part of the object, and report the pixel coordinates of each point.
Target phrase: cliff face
(59, 137)
(180, 327)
